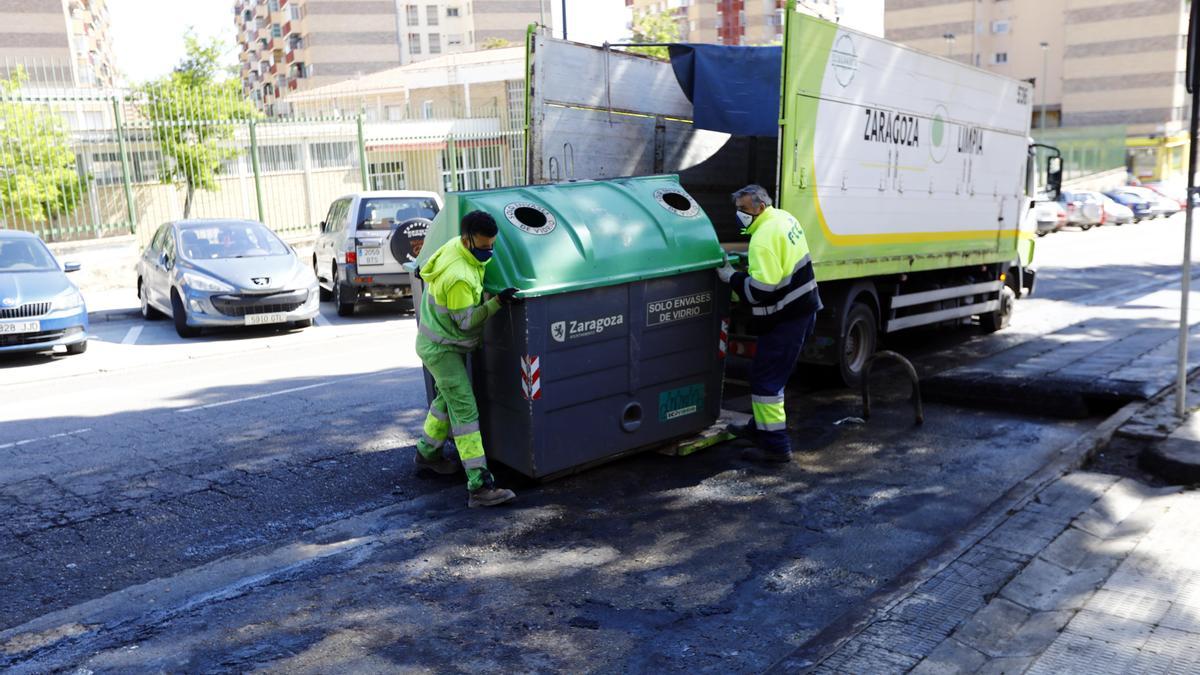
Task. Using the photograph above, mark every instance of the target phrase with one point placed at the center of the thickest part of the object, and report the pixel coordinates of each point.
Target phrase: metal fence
(1086, 150)
(80, 164)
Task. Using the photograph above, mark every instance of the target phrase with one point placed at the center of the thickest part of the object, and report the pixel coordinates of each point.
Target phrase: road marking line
(27, 441)
(132, 335)
(274, 393)
(321, 320)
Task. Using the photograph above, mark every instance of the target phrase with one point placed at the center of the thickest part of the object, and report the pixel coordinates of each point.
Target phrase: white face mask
(746, 218)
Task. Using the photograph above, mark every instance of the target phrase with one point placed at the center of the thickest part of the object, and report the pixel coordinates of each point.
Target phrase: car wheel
(994, 321)
(1085, 226)
(321, 290)
(1042, 233)
(179, 314)
(345, 306)
(77, 348)
(860, 336)
(148, 311)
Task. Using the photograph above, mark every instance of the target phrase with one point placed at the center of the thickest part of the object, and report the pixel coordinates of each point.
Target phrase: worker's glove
(725, 272)
(508, 296)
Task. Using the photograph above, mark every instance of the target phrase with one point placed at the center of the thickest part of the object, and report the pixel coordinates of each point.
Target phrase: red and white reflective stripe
(531, 377)
(723, 343)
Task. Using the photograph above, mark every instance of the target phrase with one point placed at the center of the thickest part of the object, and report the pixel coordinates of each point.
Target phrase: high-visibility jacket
(452, 315)
(781, 284)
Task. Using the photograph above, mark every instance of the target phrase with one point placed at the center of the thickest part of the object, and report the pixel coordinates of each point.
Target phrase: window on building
(279, 158)
(431, 15)
(338, 154)
(435, 43)
(273, 5)
(427, 110)
(393, 113)
(413, 15)
(1000, 58)
(479, 168)
(387, 176)
(276, 30)
(454, 40)
(1001, 26)
(451, 11)
(295, 11)
(414, 43)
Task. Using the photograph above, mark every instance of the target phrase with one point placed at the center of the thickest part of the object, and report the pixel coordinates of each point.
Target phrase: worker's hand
(508, 296)
(725, 272)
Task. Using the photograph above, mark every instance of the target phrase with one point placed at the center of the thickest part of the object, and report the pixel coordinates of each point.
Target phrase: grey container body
(570, 380)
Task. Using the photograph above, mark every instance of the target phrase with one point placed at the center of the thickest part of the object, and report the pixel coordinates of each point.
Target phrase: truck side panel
(895, 160)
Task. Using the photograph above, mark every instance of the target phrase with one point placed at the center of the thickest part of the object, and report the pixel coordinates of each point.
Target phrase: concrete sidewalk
(1096, 574)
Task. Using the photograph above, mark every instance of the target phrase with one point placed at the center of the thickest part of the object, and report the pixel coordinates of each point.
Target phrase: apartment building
(59, 42)
(292, 46)
(1095, 63)
(754, 22)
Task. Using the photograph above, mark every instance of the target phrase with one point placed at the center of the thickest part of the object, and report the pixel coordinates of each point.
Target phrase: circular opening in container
(530, 217)
(631, 417)
(677, 201)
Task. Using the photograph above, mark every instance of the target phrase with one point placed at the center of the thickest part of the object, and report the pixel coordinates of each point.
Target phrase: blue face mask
(482, 254)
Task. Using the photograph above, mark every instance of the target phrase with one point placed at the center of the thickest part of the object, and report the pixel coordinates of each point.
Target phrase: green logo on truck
(676, 403)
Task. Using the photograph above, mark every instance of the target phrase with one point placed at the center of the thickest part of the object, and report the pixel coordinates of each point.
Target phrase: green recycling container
(620, 344)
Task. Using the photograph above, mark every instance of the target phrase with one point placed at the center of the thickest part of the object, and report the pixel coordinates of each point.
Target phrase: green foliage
(193, 114)
(652, 27)
(496, 43)
(38, 175)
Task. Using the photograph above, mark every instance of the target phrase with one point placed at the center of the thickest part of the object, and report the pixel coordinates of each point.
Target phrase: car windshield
(25, 255)
(385, 213)
(229, 240)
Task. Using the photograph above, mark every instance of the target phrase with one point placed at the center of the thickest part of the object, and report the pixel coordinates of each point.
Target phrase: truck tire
(994, 321)
(857, 342)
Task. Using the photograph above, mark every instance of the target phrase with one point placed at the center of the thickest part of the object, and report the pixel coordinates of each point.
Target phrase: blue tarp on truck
(734, 90)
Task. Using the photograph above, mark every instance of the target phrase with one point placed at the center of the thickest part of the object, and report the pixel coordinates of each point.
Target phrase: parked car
(212, 273)
(1161, 206)
(1050, 215)
(1114, 213)
(1173, 191)
(365, 240)
(1083, 210)
(40, 309)
(1142, 208)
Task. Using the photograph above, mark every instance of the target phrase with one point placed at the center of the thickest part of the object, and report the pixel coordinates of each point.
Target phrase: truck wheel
(994, 321)
(859, 337)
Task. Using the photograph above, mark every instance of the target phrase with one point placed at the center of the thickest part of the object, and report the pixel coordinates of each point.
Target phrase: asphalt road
(246, 500)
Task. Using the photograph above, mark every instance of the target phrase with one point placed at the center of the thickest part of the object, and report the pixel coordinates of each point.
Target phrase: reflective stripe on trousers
(774, 361)
(456, 397)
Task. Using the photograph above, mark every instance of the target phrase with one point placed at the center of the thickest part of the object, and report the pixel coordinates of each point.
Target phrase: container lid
(574, 236)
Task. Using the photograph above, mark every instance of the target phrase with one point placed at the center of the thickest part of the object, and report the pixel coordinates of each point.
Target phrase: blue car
(1142, 208)
(40, 309)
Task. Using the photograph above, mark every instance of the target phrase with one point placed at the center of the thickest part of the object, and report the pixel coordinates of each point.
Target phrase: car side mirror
(1054, 175)
(162, 259)
(71, 267)
(322, 226)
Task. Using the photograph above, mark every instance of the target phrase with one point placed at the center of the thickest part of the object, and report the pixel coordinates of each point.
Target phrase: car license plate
(265, 319)
(370, 256)
(20, 327)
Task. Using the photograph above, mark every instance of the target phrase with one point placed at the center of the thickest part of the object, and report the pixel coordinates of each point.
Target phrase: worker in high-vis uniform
(453, 315)
(781, 292)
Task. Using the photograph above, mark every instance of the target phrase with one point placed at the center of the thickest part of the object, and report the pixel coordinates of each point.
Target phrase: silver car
(221, 273)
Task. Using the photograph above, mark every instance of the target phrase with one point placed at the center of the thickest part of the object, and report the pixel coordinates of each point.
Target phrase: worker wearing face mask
(781, 291)
(453, 314)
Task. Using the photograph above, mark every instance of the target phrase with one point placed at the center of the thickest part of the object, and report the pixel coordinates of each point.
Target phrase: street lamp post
(1045, 83)
(949, 38)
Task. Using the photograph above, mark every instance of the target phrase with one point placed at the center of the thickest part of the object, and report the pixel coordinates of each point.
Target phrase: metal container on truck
(619, 343)
(911, 174)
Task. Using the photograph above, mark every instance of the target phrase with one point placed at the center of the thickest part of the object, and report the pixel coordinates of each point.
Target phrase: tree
(38, 175)
(193, 114)
(496, 43)
(654, 27)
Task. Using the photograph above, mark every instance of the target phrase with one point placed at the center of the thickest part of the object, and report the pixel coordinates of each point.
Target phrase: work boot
(757, 454)
(743, 432)
(489, 495)
(443, 465)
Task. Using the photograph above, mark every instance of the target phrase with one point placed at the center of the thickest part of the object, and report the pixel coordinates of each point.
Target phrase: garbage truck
(912, 175)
